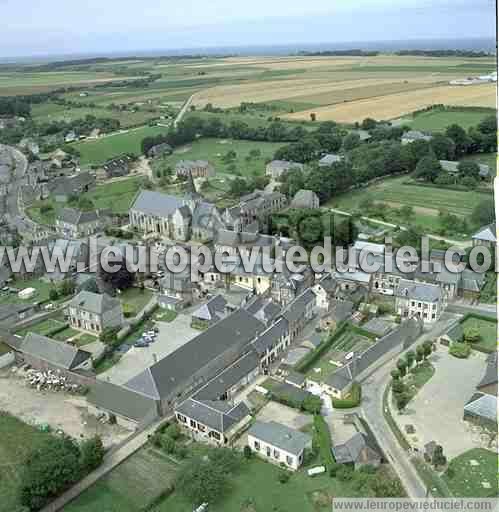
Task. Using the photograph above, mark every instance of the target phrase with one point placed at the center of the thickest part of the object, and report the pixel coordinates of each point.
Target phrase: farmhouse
(420, 300)
(413, 136)
(487, 236)
(64, 188)
(330, 159)
(453, 168)
(214, 421)
(195, 168)
(278, 443)
(95, 312)
(305, 199)
(73, 223)
(45, 353)
(119, 166)
(159, 150)
(277, 168)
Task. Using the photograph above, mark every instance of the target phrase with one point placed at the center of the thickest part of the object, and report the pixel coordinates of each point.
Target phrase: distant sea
(477, 44)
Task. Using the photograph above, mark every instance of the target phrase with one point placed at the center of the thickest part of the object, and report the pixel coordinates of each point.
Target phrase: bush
(460, 350)
(283, 476)
(334, 469)
(344, 473)
(53, 294)
(322, 440)
(353, 399)
(92, 454)
(168, 444)
(173, 431)
(248, 453)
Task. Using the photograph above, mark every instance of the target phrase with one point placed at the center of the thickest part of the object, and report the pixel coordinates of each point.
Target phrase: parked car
(141, 344)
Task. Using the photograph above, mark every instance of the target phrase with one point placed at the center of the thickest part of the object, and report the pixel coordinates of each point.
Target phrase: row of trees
(54, 466)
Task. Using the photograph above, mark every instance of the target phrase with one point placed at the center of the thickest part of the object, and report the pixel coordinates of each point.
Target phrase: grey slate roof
(377, 326)
(341, 378)
(296, 309)
(452, 167)
(120, 401)
(156, 203)
(54, 352)
(304, 199)
(280, 436)
(330, 159)
(78, 217)
(295, 378)
(486, 234)
(482, 406)
(263, 308)
(490, 375)
(213, 310)
(228, 336)
(228, 378)
(229, 238)
(285, 165)
(271, 336)
(357, 450)
(97, 303)
(215, 414)
(418, 291)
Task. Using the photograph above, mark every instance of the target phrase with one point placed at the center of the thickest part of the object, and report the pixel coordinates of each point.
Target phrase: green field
(94, 152)
(116, 195)
(256, 488)
(465, 479)
(426, 200)
(50, 112)
(134, 299)
(439, 120)
(44, 327)
(17, 440)
(134, 484)
(214, 150)
(488, 332)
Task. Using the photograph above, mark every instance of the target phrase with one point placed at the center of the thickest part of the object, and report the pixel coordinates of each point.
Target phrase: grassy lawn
(419, 376)
(17, 439)
(101, 150)
(214, 150)
(133, 485)
(165, 315)
(134, 299)
(4, 349)
(43, 328)
(256, 487)
(42, 292)
(51, 112)
(467, 473)
(85, 339)
(66, 334)
(488, 332)
(437, 121)
(426, 200)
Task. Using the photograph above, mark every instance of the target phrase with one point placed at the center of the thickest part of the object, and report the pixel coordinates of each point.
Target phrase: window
(419, 304)
(276, 454)
(257, 446)
(269, 451)
(181, 418)
(289, 460)
(193, 424)
(413, 303)
(433, 316)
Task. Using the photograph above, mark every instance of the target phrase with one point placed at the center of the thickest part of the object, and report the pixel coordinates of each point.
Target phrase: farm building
(277, 168)
(195, 168)
(305, 199)
(413, 136)
(486, 236)
(330, 159)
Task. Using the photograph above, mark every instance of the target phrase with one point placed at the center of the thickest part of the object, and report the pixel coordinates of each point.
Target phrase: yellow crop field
(301, 89)
(396, 105)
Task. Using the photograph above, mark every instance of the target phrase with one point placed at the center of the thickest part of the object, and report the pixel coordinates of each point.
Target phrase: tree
(468, 168)
(92, 454)
(419, 354)
(443, 147)
(386, 487)
(310, 230)
(49, 470)
(438, 458)
(395, 374)
(53, 294)
(488, 125)
(173, 431)
(67, 287)
(168, 444)
(471, 335)
(201, 481)
(406, 212)
(484, 213)
(109, 335)
(368, 124)
(460, 138)
(410, 356)
(402, 367)
(351, 141)
(427, 349)
(428, 168)
(109, 282)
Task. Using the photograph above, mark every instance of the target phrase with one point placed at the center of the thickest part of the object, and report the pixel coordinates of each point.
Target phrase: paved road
(481, 309)
(373, 389)
(457, 243)
(182, 112)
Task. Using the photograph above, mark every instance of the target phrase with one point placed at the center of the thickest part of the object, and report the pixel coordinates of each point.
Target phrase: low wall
(7, 359)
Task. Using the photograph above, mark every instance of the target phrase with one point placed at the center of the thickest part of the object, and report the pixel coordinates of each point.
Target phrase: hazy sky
(37, 27)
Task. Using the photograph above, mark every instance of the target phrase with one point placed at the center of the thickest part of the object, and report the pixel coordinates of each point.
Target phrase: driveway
(172, 335)
(437, 410)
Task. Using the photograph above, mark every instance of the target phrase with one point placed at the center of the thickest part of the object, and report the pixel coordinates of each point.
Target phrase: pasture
(487, 330)
(216, 150)
(425, 200)
(17, 440)
(439, 120)
(133, 485)
(95, 152)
